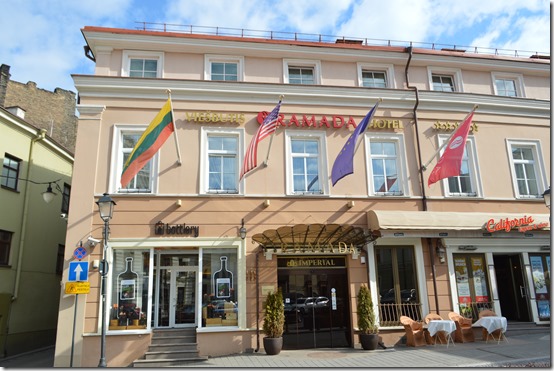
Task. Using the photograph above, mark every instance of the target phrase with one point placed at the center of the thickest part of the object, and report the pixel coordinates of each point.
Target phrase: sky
(45, 44)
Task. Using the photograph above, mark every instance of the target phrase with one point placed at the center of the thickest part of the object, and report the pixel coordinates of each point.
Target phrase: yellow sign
(77, 287)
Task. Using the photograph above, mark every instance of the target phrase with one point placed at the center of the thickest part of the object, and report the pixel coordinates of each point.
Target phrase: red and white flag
(267, 128)
(450, 162)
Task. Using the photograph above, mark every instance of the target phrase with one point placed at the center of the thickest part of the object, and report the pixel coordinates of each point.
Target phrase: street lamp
(546, 196)
(105, 208)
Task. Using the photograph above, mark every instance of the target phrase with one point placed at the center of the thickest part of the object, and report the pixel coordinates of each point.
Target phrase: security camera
(63, 215)
(92, 241)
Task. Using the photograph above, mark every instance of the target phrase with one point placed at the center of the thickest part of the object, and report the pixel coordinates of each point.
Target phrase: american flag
(268, 127)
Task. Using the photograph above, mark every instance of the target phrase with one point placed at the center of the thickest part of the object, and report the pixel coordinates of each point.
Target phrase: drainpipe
(39, 136)
(421, 169)
(257, 303)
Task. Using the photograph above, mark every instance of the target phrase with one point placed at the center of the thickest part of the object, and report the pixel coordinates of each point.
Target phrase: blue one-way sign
(78, 271)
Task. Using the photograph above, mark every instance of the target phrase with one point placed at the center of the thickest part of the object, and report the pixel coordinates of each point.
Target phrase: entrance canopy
(312, 236)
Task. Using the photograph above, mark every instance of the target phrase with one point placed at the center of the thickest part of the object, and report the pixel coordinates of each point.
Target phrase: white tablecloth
(441, 325)
(492, 323)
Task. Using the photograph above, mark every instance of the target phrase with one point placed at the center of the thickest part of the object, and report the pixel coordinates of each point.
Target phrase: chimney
(4, 79)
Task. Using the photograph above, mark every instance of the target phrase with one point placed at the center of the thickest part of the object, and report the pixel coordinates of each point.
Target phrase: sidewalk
(528, 350)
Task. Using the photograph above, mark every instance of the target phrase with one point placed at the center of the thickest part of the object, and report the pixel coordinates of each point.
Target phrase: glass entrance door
(176, 289)
(316, 308)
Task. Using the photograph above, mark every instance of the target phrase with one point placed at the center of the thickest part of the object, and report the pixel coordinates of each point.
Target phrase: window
(220, 164)
(301, 72)
(386, 164)
(223, 68)
(304, 164)
(219, 287)
(10, 172)
(527, 169)
(129, 309)
(443, 83)
(65, 198)
(397, 284)
(60, 259)
(508, 85)
(445, 79)
(142, 64)
(472, 284)
(372, 75)
(145, 181)
(5, 246)
(467, 184)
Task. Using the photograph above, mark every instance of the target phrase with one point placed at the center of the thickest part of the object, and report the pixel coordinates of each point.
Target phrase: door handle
(522, 291)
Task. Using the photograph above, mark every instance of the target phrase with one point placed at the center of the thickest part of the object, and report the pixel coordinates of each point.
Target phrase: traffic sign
(77, 287)
(78, 271)
(80, 253)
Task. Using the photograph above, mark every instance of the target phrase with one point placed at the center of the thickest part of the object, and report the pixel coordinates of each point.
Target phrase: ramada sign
(524, 224)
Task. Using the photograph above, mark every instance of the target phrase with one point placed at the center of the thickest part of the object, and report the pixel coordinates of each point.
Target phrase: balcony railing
(389, 314)
(333, 39)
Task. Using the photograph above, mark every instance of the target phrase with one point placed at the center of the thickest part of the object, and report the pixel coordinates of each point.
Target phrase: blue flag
(344, 163)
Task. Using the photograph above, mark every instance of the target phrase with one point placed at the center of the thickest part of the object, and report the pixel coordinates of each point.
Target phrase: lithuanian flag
(149, 143)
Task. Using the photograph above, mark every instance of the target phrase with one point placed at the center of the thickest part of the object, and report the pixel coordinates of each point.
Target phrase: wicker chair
(464, 331)
(414, 332)
(496, 334)
(440, 336)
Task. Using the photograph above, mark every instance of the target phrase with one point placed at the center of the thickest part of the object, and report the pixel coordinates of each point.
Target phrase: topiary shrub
(274, 315)
(366, 316)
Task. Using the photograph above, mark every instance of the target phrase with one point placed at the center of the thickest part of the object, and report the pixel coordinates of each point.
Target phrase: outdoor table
(493, 323)
(446, 326)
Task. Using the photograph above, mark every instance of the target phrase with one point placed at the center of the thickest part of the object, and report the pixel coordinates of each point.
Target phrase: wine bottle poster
(223, 280)
(127, 290)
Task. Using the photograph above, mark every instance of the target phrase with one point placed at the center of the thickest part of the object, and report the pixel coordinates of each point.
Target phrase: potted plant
(274, 322)
(368, 330)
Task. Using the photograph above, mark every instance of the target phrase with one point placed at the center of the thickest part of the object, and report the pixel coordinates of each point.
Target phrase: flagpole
(424, 167)
(271, 138)
(174, 128)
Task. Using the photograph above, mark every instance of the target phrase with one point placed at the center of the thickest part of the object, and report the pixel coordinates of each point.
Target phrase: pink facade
(424, 249)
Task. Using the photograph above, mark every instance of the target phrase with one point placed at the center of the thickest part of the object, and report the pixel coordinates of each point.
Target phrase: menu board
(479, 281)
(538, 275)
(462, 280)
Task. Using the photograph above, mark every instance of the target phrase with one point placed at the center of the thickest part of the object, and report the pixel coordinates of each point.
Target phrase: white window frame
(321, 163)
(387, 69)
(473, 164)
(540, 170)
(137, 54)
(401, 162)
(456, 74)
(515, 77)
(204, 161)
(315, 64)
(117, 161)
(213, 58)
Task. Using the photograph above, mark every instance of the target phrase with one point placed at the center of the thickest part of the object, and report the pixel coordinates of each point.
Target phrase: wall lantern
(242, 230)
(441, 252)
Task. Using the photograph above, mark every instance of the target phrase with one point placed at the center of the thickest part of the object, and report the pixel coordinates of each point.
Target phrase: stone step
(176, 362)
(173, 340)
(171, 354)
(174, 331)
(172, 347)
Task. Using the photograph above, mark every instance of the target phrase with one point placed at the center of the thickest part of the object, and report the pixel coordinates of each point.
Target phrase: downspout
(39, 136)
(257, 303)
(421, 169)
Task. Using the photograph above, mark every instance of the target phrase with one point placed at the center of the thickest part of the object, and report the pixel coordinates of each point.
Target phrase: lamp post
(546, 196)
(105, 208)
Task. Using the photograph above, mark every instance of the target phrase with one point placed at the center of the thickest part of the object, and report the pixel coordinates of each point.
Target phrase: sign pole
(73, 335)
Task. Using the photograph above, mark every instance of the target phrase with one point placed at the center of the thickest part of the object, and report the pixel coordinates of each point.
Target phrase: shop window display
(219, 288)
(129, 297)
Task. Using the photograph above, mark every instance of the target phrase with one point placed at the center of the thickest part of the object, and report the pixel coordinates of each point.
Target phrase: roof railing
(331, 39)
